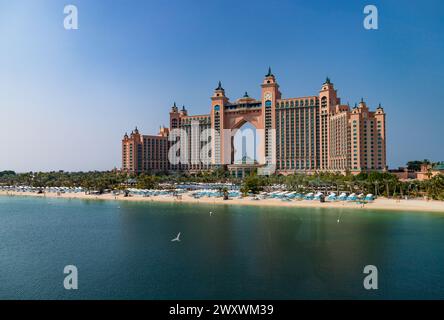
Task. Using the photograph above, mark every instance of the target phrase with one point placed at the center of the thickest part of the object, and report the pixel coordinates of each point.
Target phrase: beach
(377, 204)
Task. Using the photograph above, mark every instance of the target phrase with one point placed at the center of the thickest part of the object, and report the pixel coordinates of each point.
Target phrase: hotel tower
(292, 135)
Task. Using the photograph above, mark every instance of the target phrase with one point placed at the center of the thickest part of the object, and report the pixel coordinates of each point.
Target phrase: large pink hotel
(298, 135)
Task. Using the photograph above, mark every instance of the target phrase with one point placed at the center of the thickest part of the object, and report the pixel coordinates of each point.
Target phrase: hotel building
(296, 135)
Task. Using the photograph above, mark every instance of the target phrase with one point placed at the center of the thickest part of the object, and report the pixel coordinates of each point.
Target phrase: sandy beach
(379, 204)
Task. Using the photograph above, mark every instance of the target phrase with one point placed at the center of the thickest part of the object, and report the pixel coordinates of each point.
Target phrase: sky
(68, 96)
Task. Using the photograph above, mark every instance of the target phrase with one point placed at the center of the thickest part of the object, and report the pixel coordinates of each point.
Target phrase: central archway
(246, 130)
(244, 144)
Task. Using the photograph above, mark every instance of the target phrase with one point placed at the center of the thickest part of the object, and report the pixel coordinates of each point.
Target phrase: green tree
(146, 182)
(252, 183)
(414, 165)
(436, 187)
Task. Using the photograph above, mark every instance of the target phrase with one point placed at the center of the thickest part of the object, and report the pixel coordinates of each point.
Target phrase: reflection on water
(124, 251)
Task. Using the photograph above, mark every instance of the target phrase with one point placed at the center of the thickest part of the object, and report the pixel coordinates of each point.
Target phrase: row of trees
(89, 180)
(415, 165)
(94, 180)
(379, 184)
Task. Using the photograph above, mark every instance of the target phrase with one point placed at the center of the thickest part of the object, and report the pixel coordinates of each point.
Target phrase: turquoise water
(124, 251)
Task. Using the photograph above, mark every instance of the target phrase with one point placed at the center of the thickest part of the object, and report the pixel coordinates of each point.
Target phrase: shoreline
(416, 205)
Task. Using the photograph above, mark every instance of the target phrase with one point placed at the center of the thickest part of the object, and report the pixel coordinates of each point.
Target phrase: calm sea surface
(124, 251)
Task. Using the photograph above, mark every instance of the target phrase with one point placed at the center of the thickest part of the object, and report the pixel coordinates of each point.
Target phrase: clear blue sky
(67, 97)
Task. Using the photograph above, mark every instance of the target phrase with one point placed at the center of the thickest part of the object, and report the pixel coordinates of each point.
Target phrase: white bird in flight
(176, 238)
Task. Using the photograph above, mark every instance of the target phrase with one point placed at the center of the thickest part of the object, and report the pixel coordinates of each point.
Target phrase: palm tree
(436, 187)
(387, 187)
(376, 183)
